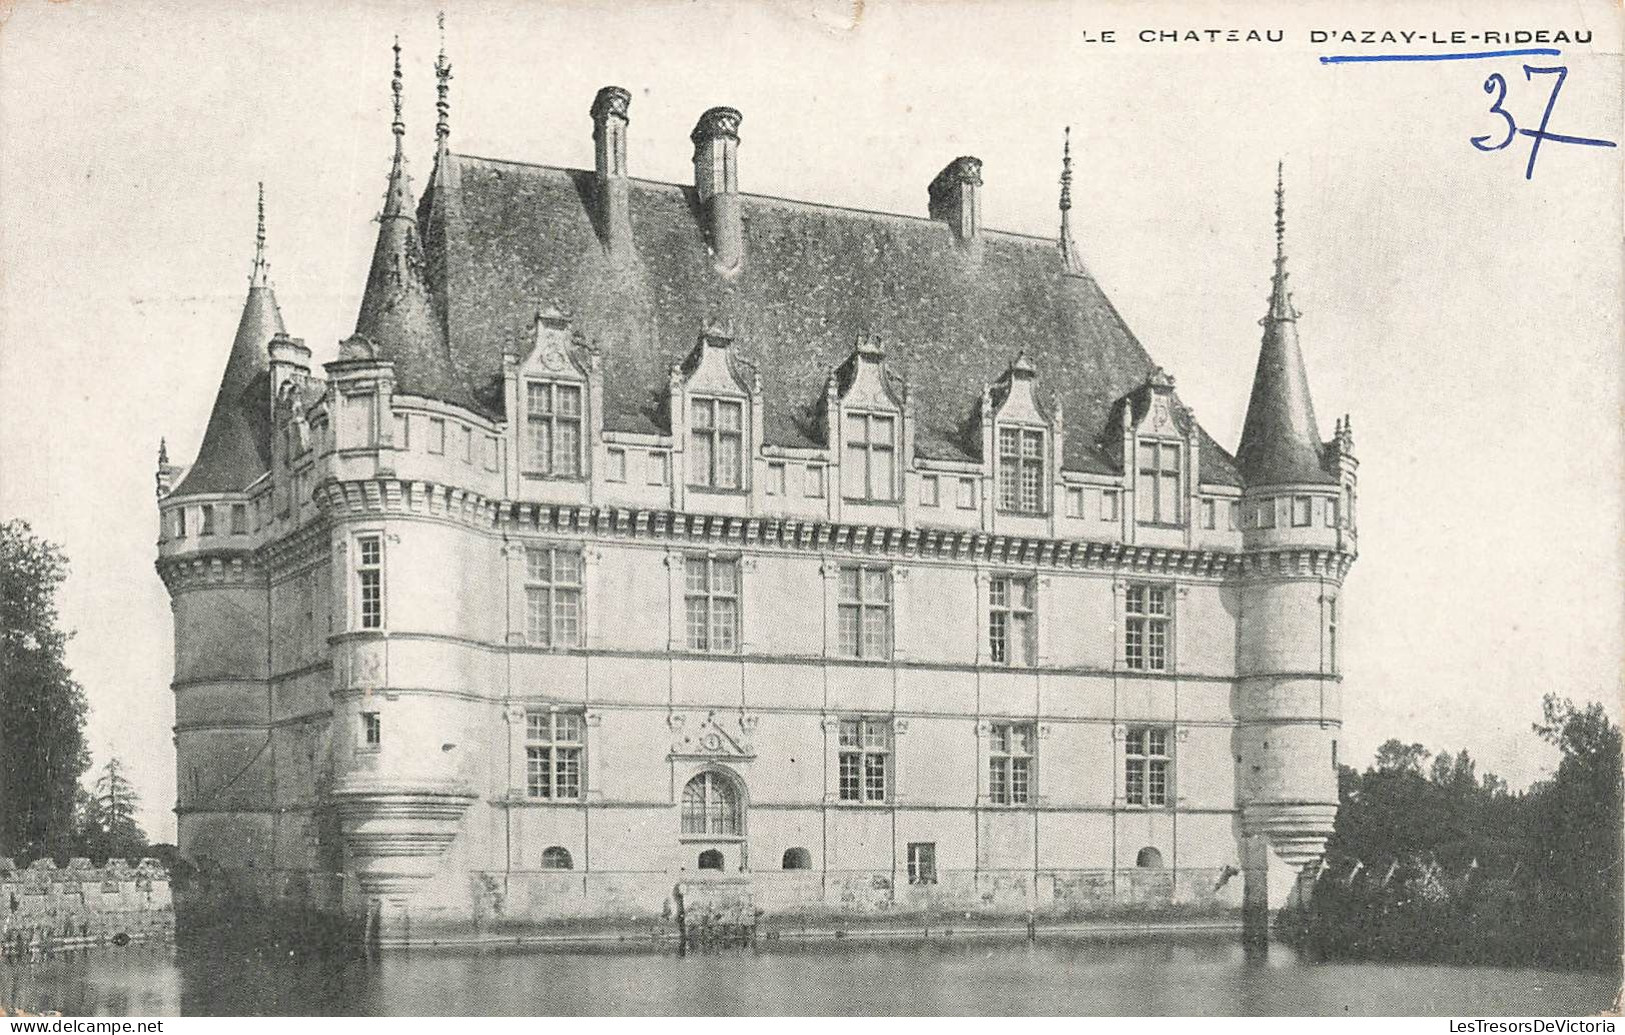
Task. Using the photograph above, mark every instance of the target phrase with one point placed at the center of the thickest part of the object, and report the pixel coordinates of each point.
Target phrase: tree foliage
(42, 707)
(107, 825)
(1449, 865)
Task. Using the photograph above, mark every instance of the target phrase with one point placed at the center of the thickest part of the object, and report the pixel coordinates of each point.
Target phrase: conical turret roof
(399, 316)
(1280, 441)
(236, 445)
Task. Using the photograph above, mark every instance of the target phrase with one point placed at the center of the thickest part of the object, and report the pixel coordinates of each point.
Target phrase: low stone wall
(44, 908)
(563, 904)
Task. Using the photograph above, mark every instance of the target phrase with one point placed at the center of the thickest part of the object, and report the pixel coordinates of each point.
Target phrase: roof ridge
(646, 182)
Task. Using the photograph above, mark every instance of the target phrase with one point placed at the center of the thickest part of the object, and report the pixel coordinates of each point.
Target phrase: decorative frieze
(383, 496)
(212, 570)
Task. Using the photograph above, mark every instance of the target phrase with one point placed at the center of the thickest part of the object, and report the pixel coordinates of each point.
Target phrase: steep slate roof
(400, 319)
(236, 445)
(505, 239)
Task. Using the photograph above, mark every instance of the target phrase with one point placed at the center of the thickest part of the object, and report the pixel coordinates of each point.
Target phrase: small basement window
(1148, 859)
(922, 862)
(556, 858)
(711, 859)
(797, 859)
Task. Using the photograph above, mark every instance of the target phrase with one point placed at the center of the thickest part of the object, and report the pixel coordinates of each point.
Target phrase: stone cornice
(299, 549)
(214, 570)
(379, 497)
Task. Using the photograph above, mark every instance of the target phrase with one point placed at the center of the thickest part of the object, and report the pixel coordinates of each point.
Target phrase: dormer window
(716, 443)
(1021, 470)
(871, 457)
(1157, 494)
(358, 427)
(553, 429)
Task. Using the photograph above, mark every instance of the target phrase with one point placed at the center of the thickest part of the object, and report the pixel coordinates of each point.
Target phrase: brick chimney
(609, 119)
(716, 181)
(956, 196)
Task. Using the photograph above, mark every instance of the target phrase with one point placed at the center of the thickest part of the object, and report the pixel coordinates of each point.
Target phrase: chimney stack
(956, 196)
(609, 119)
(716, 180)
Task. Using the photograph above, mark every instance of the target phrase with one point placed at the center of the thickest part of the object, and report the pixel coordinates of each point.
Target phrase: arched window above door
(711, 806)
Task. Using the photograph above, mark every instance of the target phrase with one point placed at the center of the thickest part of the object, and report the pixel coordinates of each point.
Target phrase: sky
(1466, 317)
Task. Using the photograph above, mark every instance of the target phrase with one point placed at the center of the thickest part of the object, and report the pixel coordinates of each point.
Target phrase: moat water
(1068, 975)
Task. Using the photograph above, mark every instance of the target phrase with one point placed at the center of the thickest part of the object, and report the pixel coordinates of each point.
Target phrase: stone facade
(454, 672)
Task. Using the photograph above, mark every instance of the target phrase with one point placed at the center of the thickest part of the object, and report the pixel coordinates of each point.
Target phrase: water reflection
(1198, 974)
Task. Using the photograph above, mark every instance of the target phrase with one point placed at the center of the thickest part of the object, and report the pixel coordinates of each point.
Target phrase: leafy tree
(1397, 757)
(1578, 823)
(42, 707)
(1448, 865)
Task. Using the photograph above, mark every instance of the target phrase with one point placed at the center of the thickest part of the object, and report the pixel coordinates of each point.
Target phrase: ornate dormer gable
(867, 423)
(555, 395)
(551, 349)
(360, 385)
(716, 406)
(1159, 450)
(1022, 434)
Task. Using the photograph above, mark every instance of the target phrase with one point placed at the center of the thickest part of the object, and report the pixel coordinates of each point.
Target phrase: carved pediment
(1014, 397)
(716, 735)
(553, 350)
(1156, 410)
(715, 366)
(864, 381)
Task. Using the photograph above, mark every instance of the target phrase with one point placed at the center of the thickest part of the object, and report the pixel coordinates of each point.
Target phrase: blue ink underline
(1343, 59)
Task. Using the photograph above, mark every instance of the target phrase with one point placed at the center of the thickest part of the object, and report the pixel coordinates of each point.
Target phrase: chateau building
(655, 547)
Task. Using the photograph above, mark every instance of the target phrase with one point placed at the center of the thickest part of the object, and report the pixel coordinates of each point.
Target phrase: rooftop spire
(401, 320)
(1069, 248)
(259, 276)
(1066, 172)
(442, 105)
(398, 198)
(399, 125)
(1280, 440)
(1280, 298)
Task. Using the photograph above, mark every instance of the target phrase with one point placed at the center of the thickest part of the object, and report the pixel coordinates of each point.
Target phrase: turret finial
(398, 196)
(1070, 259)
(442, 74)
(1280, 211)
(1281, 307)
(163, 451)
(398, 127)
(1066, 169)
(259, 276)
